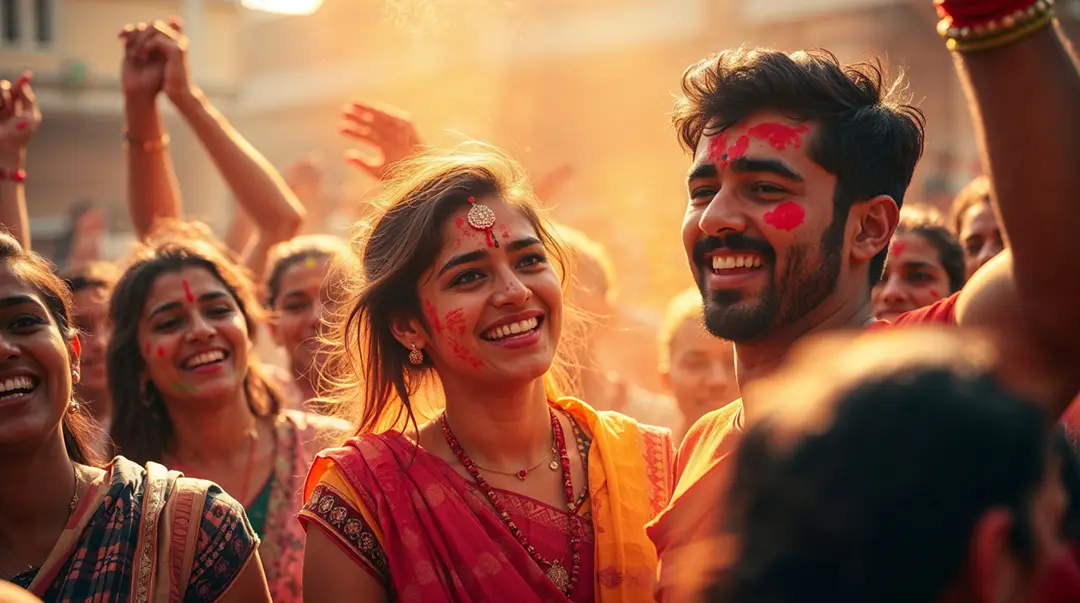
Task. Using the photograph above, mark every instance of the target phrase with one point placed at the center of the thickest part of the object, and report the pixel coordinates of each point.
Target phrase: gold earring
(73, 407)
(416, 357)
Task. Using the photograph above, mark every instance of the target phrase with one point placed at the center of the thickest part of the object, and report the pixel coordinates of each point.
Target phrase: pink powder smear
(787, 216)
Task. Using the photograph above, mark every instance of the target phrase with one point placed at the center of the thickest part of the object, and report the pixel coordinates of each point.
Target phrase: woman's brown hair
(142, 429)
(79, 429)
(368, 367)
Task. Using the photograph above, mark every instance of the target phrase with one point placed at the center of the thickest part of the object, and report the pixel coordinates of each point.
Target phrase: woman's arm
(19, 119)
(259, 189)
(153, 192)
(330, 576)
(250, 585)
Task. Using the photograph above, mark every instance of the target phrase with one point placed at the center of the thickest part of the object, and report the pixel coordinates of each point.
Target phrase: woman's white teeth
(205, 358)
(16, 385)
(735, 261)
(516, 328)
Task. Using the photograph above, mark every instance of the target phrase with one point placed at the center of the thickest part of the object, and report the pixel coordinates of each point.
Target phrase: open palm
(19, 114)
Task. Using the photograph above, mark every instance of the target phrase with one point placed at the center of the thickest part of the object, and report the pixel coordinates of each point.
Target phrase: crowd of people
(865, 400)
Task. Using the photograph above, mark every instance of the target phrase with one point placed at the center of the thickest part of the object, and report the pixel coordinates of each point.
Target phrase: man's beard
(802, 287)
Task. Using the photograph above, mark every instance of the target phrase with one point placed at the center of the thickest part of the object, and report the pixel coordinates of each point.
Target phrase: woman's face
(37, 366)
(91, 315)
(492, 313)
(193, 337)
(980, 236)
(302, 302)
(914, 277)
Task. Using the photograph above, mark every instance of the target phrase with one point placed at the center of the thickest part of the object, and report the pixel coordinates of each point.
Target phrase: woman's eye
(297, 307)
(167, 325)
(920, 277)
(27, 321)
(218, 311)
(469, 276)
(532, 259)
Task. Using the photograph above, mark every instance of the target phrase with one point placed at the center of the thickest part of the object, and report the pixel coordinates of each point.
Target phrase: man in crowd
(799, 168)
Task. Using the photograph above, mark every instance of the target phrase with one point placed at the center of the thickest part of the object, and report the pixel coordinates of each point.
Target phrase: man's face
(759, 229)
(980, 236)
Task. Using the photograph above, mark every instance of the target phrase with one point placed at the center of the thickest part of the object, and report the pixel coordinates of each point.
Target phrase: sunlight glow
(284, 7)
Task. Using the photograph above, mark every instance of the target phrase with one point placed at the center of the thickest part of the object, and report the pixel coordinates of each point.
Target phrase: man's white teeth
(516, 328)
(735, 261)
(205, 358)
(17, 385)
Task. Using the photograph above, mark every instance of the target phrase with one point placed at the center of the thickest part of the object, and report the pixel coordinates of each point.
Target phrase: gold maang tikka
(482, 218)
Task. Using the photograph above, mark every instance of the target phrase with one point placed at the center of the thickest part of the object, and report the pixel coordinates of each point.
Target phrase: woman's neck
(37, 498)
(211, 433)
(500, 429)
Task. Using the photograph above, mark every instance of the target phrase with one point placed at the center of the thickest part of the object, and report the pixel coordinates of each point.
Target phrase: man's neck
(757, 359)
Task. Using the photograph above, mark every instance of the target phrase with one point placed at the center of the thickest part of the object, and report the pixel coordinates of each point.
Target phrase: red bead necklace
(563, 579)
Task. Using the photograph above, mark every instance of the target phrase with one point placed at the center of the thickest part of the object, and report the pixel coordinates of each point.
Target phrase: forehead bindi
(185, 287)
(460, 237)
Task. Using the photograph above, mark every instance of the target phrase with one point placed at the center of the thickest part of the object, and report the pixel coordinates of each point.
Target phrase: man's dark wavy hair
(869, 138)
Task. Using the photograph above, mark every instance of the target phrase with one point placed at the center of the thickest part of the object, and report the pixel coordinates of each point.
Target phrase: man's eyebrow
(771, 166)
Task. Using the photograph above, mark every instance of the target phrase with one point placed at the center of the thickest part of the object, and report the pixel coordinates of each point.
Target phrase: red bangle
(969, 13)
(13, 175)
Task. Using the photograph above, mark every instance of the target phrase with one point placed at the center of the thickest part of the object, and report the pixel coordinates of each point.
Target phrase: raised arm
(19, 119)
(153, 192)
(259, 189)
(388, 130)
(1025, 97)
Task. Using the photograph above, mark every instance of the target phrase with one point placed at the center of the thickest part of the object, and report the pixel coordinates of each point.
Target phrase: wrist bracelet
(997, 31)
(13, 175)
(148, 146)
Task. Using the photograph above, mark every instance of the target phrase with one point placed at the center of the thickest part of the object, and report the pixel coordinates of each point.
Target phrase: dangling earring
(416, 357)
(73, 406)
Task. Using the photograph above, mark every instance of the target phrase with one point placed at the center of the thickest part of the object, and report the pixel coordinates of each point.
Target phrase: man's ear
(873, 223)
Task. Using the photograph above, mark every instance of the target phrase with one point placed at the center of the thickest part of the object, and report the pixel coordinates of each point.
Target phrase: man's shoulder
(941, 312)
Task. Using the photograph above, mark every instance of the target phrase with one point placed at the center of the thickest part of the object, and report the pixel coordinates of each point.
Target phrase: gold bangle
(1003, 39)
(148, 146)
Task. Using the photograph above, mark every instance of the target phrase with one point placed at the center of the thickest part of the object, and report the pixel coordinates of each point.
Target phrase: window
(43, 21)
(9, 21)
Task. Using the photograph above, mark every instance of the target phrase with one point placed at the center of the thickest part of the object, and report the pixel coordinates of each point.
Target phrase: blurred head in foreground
(891, 468)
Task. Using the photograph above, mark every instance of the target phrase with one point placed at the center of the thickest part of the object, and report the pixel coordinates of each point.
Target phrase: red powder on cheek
(146, 350)
(898, 249)
(432, 316)
(22, 125)
(934, 293)
(787, 216)
(160, 352)
(465, 355)
(455, 321)
(778, 135)
(187, 293)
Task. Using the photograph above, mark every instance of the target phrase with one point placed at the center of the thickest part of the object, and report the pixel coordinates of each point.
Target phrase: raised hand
(19, 115)
(157, 53)
(141, 78)
(388, 130)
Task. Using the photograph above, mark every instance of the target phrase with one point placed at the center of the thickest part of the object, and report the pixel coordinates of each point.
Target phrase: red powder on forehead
(455, 321)
(787, 216)
(898, 248)
(432, 316)
(779, 136)
(489, 238)
(505, 233)
(187, 293)
(717, 147)
(737, 150)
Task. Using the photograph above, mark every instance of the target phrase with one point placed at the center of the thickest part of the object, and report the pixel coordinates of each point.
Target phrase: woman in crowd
(91, 286)
(303, 290)
(511, 491)
(974, 224)
(925, 264)
(188, 393)
(85, 531)
(695, 365)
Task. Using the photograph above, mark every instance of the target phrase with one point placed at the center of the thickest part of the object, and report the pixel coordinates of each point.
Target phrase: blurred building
(76, 157)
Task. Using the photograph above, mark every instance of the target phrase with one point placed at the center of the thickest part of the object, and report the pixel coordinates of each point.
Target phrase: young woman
(303, 290)
(91, 286)
(511, 491)
(925, 264)
(84, 531)
(189, 395)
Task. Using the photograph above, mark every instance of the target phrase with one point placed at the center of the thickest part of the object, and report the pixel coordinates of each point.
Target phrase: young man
(799, 168)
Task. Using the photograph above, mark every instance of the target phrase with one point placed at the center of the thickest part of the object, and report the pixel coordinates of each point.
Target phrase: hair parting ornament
(482, 218)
